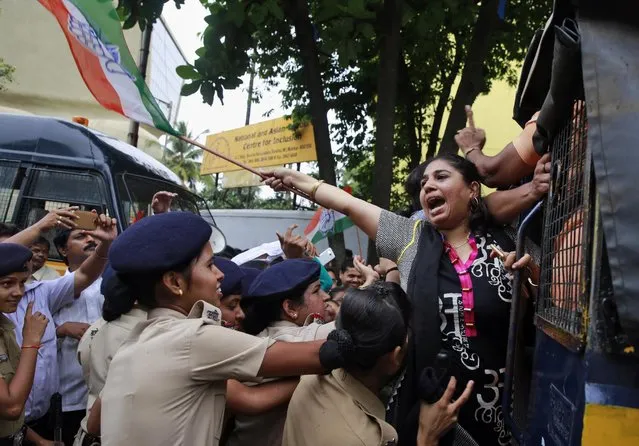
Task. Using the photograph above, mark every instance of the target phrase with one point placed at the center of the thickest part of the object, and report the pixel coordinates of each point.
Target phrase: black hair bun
(119, 298)
(338, 349)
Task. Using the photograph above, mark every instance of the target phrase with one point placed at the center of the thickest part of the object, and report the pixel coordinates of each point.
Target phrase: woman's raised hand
(278, 178)
(370, 275)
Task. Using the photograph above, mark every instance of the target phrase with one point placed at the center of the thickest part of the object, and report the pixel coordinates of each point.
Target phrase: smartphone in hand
(87, 221)
(326, 256)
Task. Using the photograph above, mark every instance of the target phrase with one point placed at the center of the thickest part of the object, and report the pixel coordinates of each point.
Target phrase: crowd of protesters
(150, 339)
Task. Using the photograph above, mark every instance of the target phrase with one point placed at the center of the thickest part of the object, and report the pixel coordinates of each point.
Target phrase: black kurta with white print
(480, 358)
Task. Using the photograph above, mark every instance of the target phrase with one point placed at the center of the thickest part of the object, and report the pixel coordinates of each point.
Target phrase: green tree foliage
(244, 198)
(183, 158)
(142, 12)
(6, 72)
(440, 41)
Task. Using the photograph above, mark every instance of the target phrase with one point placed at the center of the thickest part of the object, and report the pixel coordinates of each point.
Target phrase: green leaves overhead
(189, 89)
(143, 12)
(187, 72)
(274, 9)
(359, 9)
(348, 34)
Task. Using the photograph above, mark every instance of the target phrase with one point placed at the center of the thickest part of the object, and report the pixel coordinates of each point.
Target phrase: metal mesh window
(136, 195)
(54, 189)
(9, 190)
(65, 186)
(563, 297)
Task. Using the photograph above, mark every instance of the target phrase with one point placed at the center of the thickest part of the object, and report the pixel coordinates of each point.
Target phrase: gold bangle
(315, 187)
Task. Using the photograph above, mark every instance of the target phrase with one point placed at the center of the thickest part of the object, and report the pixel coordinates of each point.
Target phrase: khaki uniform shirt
(44, 273)
(97, 348)
(266, 429)
(9, 357)
(336, 409)
(167, 383)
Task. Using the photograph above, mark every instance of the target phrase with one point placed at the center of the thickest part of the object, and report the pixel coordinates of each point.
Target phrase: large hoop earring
(474, 204)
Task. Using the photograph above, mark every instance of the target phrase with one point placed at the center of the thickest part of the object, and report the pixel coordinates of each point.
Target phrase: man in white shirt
(40, 249)
(71, 321)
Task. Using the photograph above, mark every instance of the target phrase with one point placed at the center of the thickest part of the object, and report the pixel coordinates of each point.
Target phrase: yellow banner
(268, 143)
(240, 178)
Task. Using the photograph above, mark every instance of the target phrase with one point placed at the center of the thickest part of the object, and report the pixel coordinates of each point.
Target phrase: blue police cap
(288, 278)
(249, 276)
(232, 283)
(158, 243)
(13, 258)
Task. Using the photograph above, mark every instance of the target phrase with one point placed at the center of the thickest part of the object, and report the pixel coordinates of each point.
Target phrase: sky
(185, 24)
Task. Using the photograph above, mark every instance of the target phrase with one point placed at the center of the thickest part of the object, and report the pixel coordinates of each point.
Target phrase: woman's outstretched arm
(365, 215)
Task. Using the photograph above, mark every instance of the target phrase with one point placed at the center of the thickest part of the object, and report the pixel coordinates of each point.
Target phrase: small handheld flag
(326, 222)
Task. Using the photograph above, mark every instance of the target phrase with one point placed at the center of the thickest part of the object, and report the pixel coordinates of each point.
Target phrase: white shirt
(88, 309)
(47, 297)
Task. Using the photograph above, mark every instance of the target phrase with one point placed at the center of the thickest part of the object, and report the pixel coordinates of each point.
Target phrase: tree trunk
(387, 81)
(472, 79)
(407, 104)
(447, 86)
(414, 148)
(299, 15)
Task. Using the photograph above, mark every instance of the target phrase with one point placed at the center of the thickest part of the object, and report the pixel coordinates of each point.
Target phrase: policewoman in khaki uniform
(166, 384)
(97, 348)
(285, 302)
(231, 287)
(17, 363)
(367, 348)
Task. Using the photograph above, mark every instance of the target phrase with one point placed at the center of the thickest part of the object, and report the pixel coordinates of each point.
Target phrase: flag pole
(145, 47)
(242, 165)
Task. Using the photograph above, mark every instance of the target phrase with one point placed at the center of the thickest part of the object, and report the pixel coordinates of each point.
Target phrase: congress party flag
(326, 222)
(92, 29)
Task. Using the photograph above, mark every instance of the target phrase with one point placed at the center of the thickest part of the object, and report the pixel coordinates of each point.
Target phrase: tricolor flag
(94, 33)
(326, 222)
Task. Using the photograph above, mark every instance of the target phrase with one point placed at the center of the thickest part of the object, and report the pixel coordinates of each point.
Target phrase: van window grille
(9, 190)
(563, 296)
(61, 186)
(48, 190)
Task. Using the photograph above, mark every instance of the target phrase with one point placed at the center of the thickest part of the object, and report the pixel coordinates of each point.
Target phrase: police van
(48, 163)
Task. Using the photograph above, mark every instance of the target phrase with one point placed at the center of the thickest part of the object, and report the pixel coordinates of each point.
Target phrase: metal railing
(562, 305)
